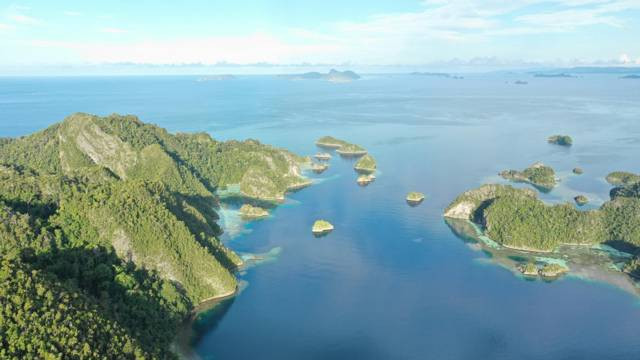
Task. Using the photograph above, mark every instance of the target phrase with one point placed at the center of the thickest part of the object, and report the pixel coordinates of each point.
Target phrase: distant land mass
(590, 70)
(333, 75)
(437, 74)
(632, 76)
(216, 77)
(559, 75)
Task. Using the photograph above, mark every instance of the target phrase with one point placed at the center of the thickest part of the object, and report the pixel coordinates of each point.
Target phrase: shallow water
(392, 281)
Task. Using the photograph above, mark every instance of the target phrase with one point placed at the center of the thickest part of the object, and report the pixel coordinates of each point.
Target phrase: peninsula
(114, 230)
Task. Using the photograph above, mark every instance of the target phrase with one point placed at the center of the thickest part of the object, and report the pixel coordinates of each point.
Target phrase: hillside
(120, 212)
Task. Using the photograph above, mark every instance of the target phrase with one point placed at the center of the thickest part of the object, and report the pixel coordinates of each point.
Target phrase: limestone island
(619, 178)
(319, 168)
(323, 156)
(365, 179)
(552, 270)
(529, 269)
(563, 140)
(520, 82)
(248, 211)
(538, 174)
(517, 219)
(415, 198)
(365, 165)
(342, 147)
(578, 171)
(216, 77)
(321, 227)
(581, 200)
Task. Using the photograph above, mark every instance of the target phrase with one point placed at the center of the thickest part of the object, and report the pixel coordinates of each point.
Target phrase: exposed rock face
(319, 168)
(553, 270)
(529, 269)
(365, 179)
(465, 205)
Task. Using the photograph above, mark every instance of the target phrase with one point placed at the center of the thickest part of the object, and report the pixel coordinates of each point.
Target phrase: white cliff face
(462, 210)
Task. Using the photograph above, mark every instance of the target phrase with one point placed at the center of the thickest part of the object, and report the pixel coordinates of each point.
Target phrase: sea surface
(392, 281)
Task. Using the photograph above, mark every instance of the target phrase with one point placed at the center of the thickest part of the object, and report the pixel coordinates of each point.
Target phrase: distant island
(538, 174)
(216, 78)
(557, 75)
(520, 82)
(632, 76)
(563, 140)
(113, 235)
(333, 76)
(342, 147)
(437, 74)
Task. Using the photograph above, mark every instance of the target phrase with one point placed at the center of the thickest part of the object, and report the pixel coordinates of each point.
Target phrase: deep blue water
(392, 281)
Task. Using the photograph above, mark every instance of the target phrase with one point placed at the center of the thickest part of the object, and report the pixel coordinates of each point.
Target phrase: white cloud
(112, 30)
(72, 13)
(5, 27)
(23, 19)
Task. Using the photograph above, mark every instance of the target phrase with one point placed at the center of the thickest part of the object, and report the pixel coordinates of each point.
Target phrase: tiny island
(581, 200)
(319, 168)
(415, 198)
(538, 174)
(321, 227)
(563, 140)
(323, 156)
(342, 147)
(332, 76)
(365, 179)
(578, 171)
(366, 164)
(250, 212)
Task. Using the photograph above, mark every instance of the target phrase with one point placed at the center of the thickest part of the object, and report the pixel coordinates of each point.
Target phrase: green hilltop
(121, 215)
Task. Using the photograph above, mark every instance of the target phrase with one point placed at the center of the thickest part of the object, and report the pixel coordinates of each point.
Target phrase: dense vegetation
(108, 229)
(538, 174)
(622, 178)
(515, 218)
(564, 140)
(342, 146)
(366, 164)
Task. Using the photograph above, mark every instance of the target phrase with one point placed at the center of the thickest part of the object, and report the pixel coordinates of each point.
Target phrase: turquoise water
(392, 281)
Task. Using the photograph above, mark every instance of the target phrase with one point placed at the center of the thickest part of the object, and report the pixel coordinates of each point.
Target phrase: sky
(502, 33)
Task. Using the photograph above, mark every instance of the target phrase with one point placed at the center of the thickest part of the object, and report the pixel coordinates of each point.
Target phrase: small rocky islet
(321, 227)
(562, 140)
(414, 198)
(319, 168)
(250, 212)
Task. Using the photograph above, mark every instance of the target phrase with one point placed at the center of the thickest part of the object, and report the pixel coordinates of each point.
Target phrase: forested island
(342, 147)
(333, 76)
(516, 218)
(538, 174)
(563, 140)
(109, 233)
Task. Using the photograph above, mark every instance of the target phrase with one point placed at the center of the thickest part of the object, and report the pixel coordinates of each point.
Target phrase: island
(581, 200)
(366, 164)
(365, 179)
(323, 156)
(630, 77)
(250, 212)
(578, 171)
(529, 269)
(622, 178)
(415, 198)
(553, 270)
(437, 74)
(319, 168)
(216, 77)
(342, 147)
(541, 176)
(520, 82)
(114, 236)
(516, 218)
(332, 76)
(321, 227)
(563, 140)
(556, 75)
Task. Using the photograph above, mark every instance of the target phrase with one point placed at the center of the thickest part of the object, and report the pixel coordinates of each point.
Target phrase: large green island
(517, 219)
(109, 234)
(538, 175)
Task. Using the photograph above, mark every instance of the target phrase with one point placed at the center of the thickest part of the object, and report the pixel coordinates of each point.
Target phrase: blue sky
(395, 32)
